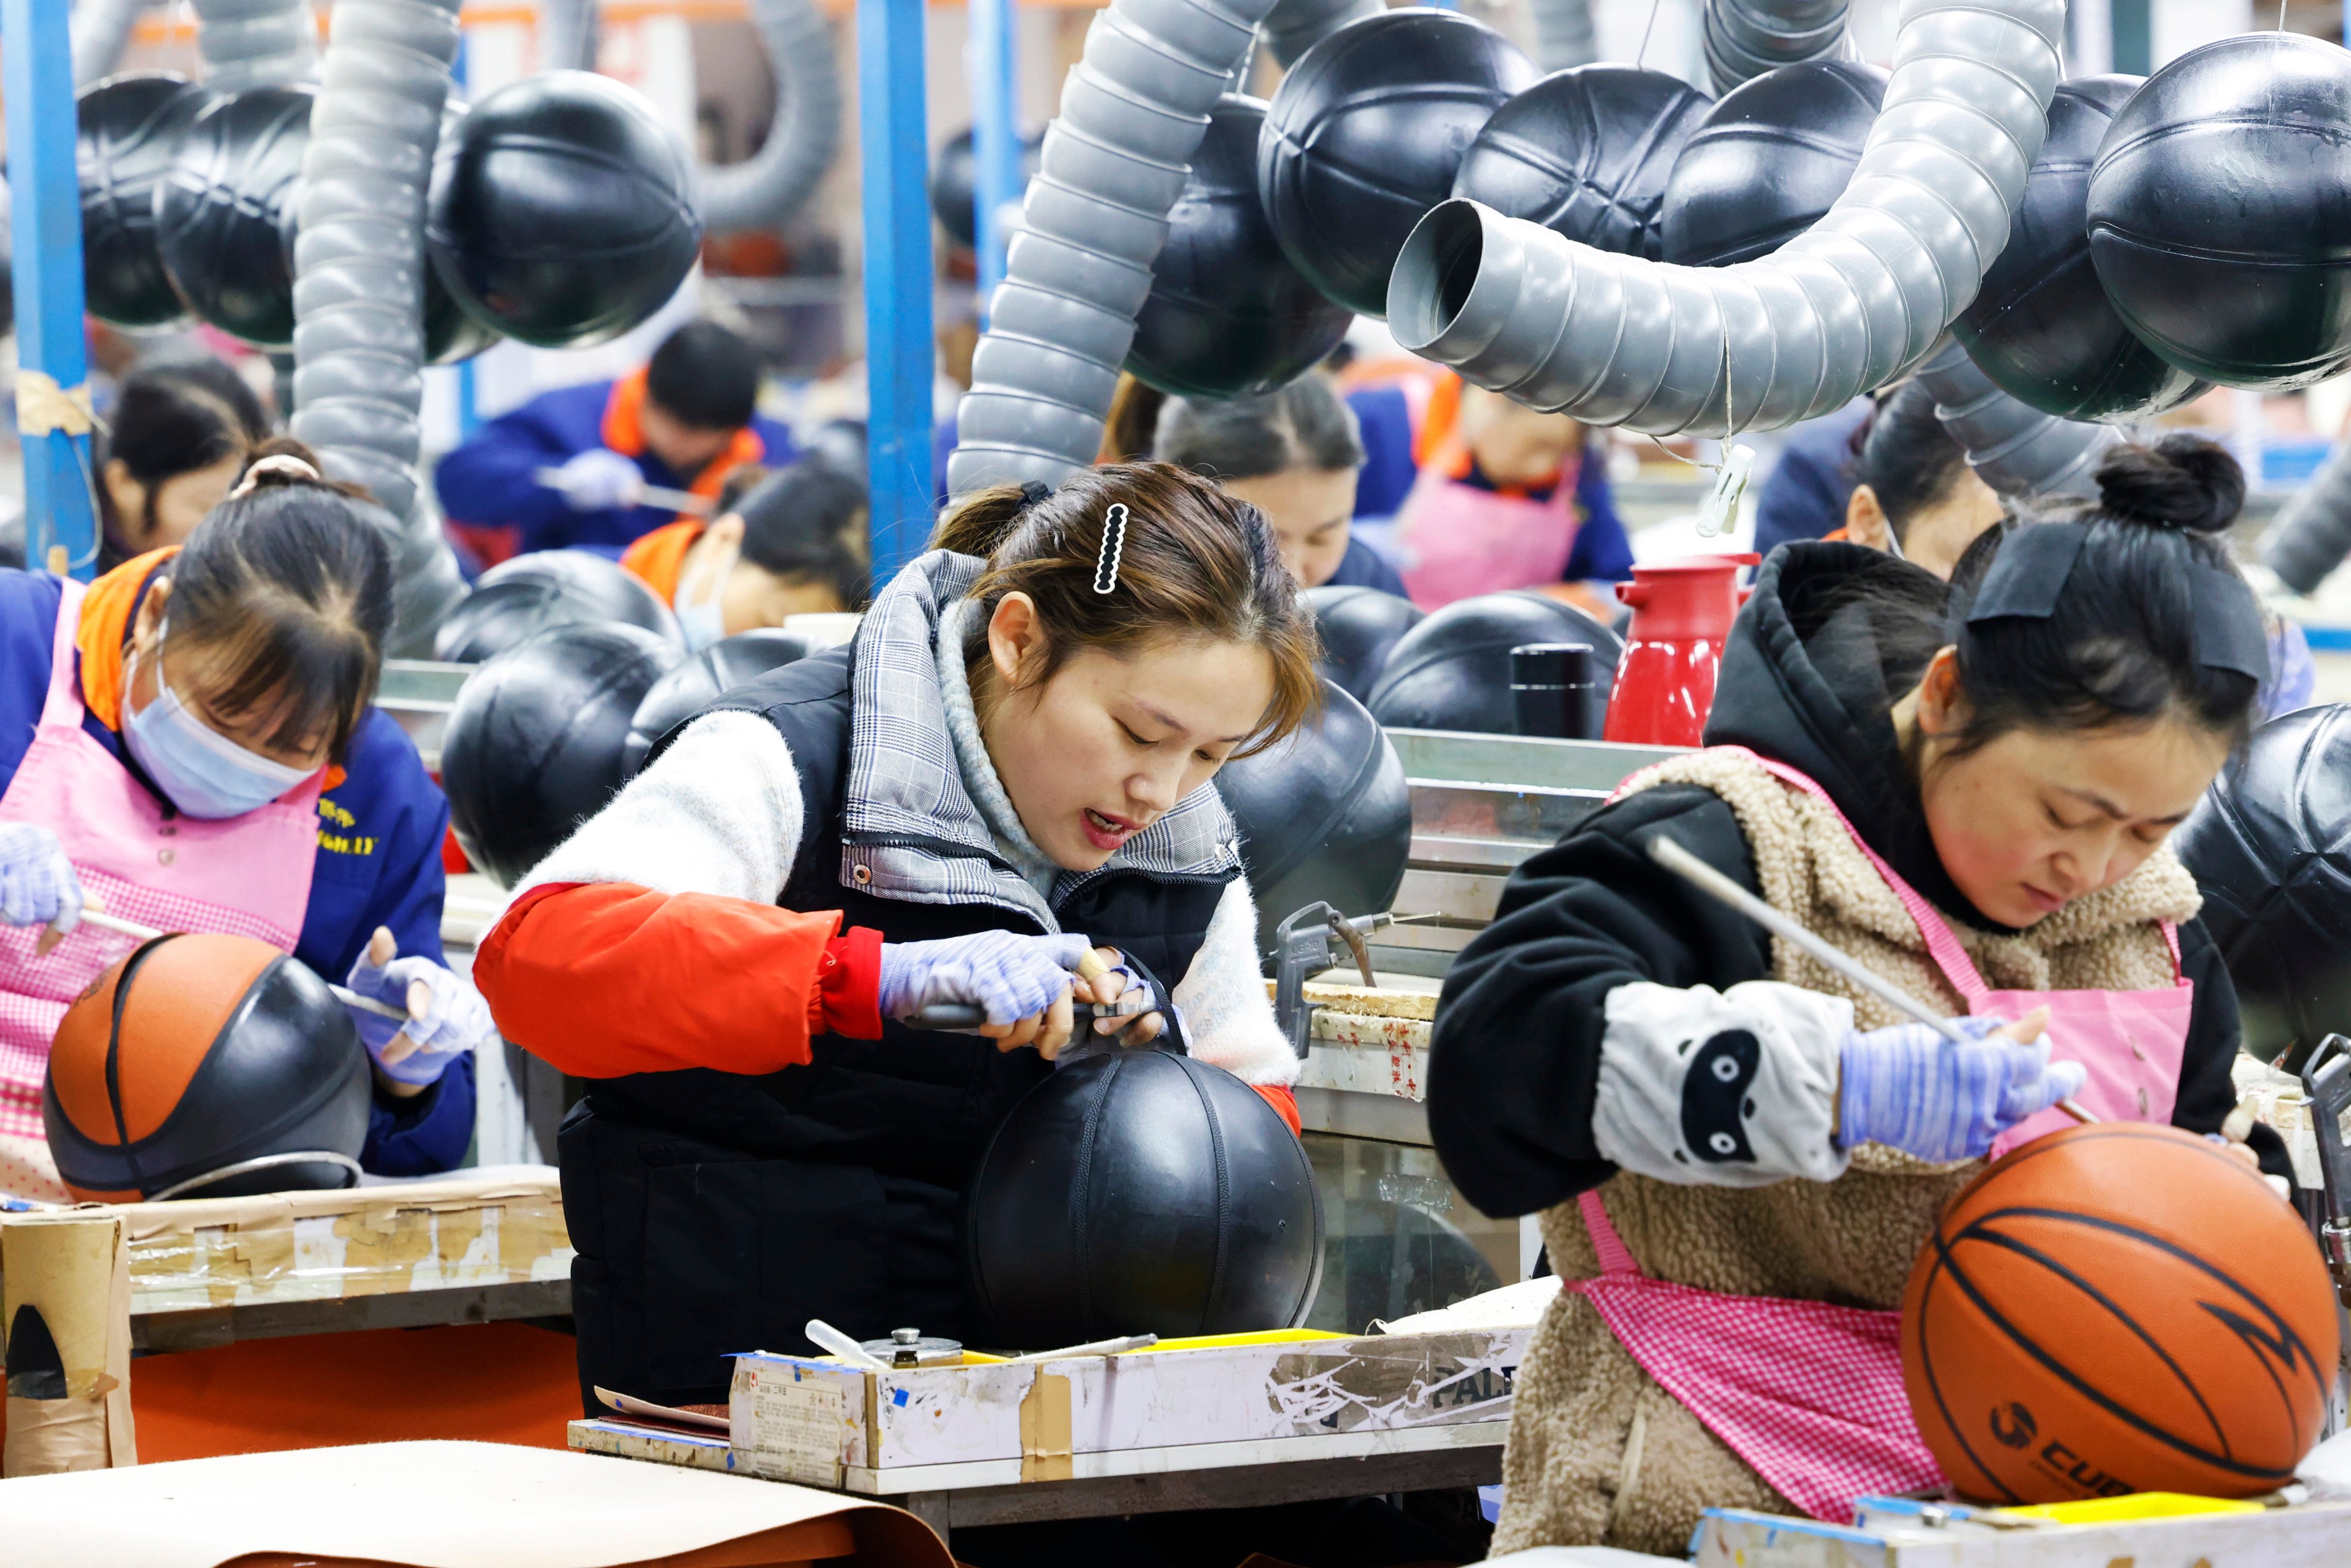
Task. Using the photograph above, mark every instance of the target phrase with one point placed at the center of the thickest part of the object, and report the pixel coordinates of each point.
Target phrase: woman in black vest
(1011, 763)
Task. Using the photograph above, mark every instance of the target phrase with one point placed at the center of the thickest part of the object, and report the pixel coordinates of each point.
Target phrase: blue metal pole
(45, 199)
(469, 413)
(894, 149)
(996, 134)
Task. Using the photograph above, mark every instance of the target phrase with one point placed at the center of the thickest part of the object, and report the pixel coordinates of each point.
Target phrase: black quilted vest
(715, 1212)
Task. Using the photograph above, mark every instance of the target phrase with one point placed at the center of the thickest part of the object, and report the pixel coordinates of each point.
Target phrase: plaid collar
(909, 828)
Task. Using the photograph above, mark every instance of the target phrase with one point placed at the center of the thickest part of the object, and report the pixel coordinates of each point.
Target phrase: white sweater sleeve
(1226, 1014)
(718, 812)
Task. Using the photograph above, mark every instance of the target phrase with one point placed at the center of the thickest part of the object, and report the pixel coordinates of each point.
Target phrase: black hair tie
(1033, 492)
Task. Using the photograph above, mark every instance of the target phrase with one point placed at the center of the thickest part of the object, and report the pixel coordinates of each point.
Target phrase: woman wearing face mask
(1965, 786)
(1006, 769)
(1293, 454)
(786, 543)
(178, 437)
(188, 742)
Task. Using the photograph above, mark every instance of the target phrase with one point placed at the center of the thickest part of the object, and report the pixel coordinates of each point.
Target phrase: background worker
(1294, 454)
(786, 543)
(684, 422)
(177, 438)
(191, 742)
(1963, 785)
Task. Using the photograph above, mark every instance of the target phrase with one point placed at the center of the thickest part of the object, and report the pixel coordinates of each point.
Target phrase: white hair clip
(1114, 544)
(275, 463)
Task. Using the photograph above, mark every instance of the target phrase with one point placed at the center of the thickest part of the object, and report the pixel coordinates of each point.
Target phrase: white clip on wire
(1114, 544)
(1718, 513)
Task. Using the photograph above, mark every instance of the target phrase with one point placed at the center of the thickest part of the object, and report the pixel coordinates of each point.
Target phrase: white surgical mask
(202, 773)
(701, 601)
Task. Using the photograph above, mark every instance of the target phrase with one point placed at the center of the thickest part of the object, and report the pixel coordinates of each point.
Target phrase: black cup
(1552, 690)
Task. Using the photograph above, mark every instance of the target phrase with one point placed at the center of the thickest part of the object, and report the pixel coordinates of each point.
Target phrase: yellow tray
(2124, 1510)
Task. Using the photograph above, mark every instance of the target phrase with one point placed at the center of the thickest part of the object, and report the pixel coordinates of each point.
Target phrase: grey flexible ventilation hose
(768, 187)
(359, 279)
(1846, 305)
(101, 28)
(1744, 38)
(566, 35)
(255, 43)
(2012, 446)
(1134, 109)
(1563, 34)
(2312, 532)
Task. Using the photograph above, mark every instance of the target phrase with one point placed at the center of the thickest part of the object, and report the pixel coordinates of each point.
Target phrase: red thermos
(1682, 611)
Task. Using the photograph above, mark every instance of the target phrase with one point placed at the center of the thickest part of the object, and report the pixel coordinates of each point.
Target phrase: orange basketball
(2118, 1308)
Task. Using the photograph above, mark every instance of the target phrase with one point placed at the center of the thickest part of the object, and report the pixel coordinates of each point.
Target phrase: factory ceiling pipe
(1744, 38)
(101, 29)
(1847, 306)
(1563, 35)
(2312, 532)
(1133, 110)
(2012, 446)
(359, 279)
(255, 43)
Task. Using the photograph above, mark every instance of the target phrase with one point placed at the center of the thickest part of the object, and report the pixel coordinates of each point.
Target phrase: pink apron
(1808, 1394)
(1462, 541)
(247, 876)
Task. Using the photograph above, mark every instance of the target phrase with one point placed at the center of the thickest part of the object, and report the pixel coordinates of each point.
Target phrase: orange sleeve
(1284, 1102)
(601, 979)
(658, 559)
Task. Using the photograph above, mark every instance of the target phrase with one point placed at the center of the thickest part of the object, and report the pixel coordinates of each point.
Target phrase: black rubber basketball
(518, 599)
(1228, 316)
(955, 184)
(195, 1054)
(225, 216)
(1453, 669)
(1366, 134)
(1324, 817)
(2270, 845)
(1767, 162)
(1587, 152)
(2217, 208)
(450, 335)
(2042, 328)
(536, 739)
(1359, 627)
(702, 680)
(567, 215)
(126, 131)
(1141, 1192)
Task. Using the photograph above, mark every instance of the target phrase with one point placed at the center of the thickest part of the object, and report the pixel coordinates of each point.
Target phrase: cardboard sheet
(72, 1266)
(424, 1505)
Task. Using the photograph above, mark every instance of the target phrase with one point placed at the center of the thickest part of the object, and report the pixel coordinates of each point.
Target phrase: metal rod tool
(685, 501)
(137, 933)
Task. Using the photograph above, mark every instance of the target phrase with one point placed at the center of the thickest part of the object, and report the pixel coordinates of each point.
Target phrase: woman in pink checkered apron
(197, 704)
(1735, 1153)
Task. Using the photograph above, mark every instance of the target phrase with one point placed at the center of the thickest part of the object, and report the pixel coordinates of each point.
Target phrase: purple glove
(37, 885)
(1008, 975)
(1910, 1089)
(454, 1019)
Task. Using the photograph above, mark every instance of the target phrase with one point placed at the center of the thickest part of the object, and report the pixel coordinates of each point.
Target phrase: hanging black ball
(955, 184)
(1359, 628)
(1325, 817)
(1228, 315)
(567, 215)
(702, 680)
(1767, 162)
(1366, 134)
(1141, 1192)
(2267, 847)
(450, 335)
(2217, 208)
(1453, 669)
(126, 131)
(1586, 152)
(224, 218)
(516, 600)
(2042, 328)
(536, 737)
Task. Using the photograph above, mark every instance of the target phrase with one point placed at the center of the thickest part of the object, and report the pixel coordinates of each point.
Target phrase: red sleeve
(605, 979)
(1283, 1102)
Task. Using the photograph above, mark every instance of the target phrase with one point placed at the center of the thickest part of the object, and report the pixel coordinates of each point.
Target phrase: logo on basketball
(2014, 1427)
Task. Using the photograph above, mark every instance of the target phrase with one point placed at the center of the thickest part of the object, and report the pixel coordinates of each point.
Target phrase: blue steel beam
(894, 152)
(44, 200)
(996, 135)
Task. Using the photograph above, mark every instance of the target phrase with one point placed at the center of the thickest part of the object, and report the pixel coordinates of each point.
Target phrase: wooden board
(2315, 1536)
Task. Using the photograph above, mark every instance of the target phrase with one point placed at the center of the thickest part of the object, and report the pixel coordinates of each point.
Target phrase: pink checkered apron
(1809, 1393)
(247, 876)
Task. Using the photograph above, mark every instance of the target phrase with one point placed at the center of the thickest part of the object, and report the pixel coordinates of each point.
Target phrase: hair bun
(2180, 481)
